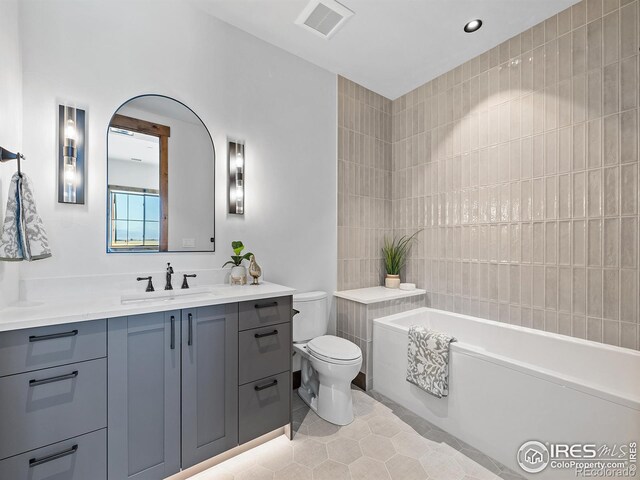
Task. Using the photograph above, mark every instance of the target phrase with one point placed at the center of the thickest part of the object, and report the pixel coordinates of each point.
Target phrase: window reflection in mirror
(160, 178)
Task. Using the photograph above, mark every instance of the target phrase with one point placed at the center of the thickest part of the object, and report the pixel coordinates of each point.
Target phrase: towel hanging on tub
(23, 236)
(428, 360)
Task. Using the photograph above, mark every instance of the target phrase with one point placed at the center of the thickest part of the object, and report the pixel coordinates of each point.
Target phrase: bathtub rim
(387, 322)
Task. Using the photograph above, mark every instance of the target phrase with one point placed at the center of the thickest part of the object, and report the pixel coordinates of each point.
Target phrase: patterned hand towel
(23, 235)
(428, 355)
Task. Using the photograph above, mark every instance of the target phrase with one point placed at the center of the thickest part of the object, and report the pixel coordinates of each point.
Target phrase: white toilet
(329, 363)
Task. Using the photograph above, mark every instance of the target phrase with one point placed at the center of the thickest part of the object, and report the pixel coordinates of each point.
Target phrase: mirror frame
(107, 203)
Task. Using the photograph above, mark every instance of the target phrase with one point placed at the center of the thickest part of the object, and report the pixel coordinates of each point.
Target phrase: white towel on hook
(23, 236)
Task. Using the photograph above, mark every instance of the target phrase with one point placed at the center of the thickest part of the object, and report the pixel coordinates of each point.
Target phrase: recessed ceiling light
(473, 25)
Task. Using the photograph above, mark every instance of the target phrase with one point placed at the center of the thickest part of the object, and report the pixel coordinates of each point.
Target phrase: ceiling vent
(324, 17)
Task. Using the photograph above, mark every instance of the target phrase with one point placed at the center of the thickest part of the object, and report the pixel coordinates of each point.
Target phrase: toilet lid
(330, 346)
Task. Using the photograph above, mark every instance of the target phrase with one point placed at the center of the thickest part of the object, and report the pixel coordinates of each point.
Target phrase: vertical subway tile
(579, 147)
(611, 139)
(538, 242)
(594, 292)
(564, 289)
(538, 277)
(594, 329)
(579, 194)
(629, 30)
(564, 243)
(629, 335)
(611, 332)
(629, 189)
(610, 35)
(611, 242)
(594, 242)
(629, 83)
(629, 242)
(579, 57)
(594, 194)
(579, 14)
(550, 243)
(564, 196)
(629, 136)
(594, 144)
(629, 295)
(579, 291)
(551, 287)
(551, 200)
(594, 94)
(579, 242)
(610, 294)
(527, 242)
(610, 191)
(610, 83)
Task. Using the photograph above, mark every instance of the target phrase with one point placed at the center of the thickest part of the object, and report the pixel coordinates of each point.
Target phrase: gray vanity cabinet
(209, 382)
(144, 396)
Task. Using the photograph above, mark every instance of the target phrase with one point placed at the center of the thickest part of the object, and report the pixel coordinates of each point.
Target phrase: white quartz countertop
(377, 294)
(68, 310)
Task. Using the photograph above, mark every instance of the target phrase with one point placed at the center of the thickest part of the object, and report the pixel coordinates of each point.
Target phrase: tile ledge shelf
(372, 295)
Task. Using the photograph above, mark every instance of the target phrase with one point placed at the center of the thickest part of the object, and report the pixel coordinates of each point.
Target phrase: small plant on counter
(238, 271)
(394, 253)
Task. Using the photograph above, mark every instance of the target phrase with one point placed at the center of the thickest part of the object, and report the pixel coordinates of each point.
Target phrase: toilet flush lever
(295, 312)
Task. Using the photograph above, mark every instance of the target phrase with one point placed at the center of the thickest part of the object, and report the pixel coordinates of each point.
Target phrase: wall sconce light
(71, 155)
(235, 152)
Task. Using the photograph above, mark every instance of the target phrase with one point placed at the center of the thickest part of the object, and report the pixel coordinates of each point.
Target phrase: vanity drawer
(47, 406)
(263, 352)
(259, 313)
(263, 406)
(78, 458)
(35, 348)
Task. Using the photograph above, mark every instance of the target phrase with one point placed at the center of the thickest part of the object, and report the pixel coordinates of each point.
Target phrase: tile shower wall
(364, 183)
(522, 167)
(355, 323)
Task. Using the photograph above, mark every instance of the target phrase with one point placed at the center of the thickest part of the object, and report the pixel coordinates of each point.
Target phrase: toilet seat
(335, 350)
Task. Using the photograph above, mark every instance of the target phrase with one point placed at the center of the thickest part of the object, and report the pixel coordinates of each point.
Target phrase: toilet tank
(313, 319)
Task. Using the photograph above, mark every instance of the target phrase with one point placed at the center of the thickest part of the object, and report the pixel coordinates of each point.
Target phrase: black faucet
(169, 273)
(149, 285)
(185, 284)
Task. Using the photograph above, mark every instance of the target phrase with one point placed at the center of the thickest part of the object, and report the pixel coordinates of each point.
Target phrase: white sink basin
(164, 295)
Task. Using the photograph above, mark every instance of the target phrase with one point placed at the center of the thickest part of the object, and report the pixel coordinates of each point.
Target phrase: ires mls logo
(586, 459)
(533, 456)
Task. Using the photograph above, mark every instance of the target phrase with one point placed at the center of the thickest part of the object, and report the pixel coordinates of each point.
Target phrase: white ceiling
(389, 46)
(138, 148)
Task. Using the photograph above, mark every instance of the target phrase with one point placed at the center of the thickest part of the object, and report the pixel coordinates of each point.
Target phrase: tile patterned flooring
(385, 441)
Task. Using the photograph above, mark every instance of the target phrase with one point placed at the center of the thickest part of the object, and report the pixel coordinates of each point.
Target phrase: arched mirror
(160, 178)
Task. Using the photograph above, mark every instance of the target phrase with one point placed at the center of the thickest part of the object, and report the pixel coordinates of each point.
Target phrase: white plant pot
(238, 275)
(392, 281)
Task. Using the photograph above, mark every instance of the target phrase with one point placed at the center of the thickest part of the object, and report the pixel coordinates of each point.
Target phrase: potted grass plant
(238, 271)
(394, 253)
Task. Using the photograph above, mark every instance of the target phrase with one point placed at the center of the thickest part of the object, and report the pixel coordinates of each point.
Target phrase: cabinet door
(144, 396)
(209, 382)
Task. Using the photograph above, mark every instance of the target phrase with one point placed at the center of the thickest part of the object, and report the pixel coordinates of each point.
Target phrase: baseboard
(360, 381)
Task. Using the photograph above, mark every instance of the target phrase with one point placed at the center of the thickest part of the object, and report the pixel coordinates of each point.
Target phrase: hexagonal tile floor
(384, 442)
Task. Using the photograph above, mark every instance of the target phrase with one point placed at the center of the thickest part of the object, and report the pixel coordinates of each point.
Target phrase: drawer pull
(52, 336)
(190, 339)
(268, 334)
(59, 378)
(173, 333)
(273, 383)
(266, 305)
(34, 462)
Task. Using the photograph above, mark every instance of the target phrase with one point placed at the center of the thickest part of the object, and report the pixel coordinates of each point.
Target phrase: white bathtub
(509, 384)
